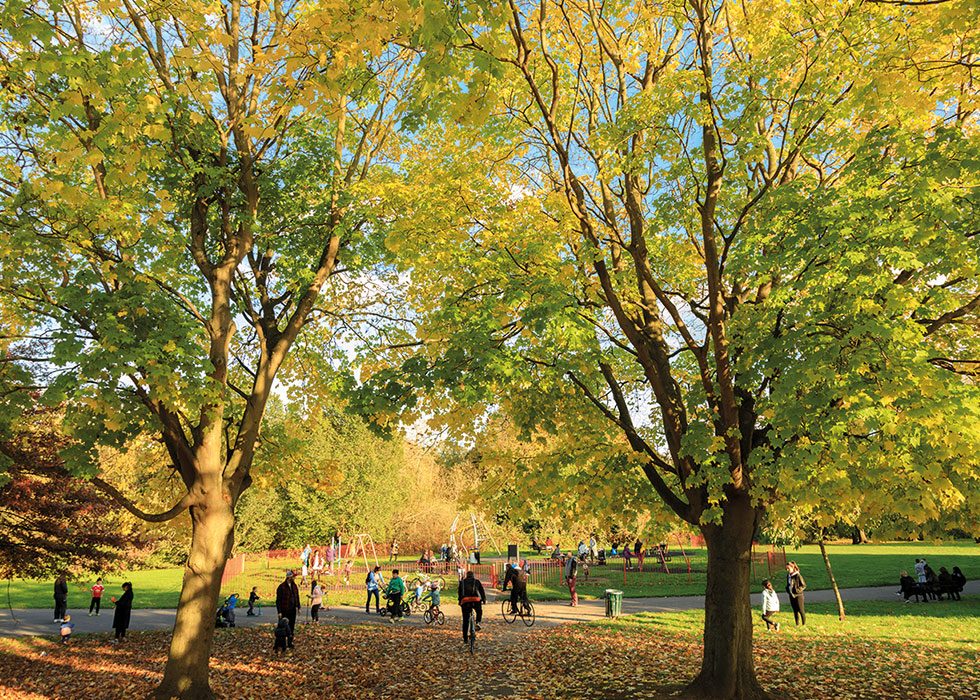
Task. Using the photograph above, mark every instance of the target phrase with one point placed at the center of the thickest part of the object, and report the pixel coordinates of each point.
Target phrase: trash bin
(614, 603)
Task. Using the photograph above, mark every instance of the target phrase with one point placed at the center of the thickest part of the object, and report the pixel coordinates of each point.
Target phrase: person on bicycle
(434, 597)
(509, 575)
(518, 591)
(471, 599)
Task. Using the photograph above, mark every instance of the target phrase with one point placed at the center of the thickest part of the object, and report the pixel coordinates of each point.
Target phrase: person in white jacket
(770, 605)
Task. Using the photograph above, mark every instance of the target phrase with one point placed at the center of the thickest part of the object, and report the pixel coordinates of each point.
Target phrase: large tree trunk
(186, 673)
(727, 668)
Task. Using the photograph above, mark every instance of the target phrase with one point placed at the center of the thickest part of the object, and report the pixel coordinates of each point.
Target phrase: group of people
(288, 604)
(120, 618)
(795, 587)
(927, 584)
(589, 550)
(470, 593)
(316, 561)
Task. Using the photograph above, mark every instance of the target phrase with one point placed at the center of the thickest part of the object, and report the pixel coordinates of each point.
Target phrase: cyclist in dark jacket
(471, 598)
(519, 590)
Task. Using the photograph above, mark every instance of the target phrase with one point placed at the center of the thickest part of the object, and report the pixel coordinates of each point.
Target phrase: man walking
(287, 603)
(396, 589)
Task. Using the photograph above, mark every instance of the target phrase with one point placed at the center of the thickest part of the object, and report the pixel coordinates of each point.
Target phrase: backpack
(470, 589)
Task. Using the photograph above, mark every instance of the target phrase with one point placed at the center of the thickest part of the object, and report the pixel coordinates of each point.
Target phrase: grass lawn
(854, 565)
(883, 650)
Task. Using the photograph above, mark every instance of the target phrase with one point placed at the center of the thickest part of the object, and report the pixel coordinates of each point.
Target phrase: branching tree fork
(169, 177)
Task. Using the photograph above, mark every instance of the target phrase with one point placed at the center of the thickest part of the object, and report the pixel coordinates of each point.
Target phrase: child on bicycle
(434, 598)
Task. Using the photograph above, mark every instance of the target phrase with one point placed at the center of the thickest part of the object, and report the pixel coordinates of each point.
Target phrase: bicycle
(473, 632)
(434, 615)
(525, 610)
(424, 579)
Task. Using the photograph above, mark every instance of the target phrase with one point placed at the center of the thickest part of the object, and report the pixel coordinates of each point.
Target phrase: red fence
(235, 566)
(770, 561)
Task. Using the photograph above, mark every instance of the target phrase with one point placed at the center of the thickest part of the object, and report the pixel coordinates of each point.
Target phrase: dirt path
(38, 622)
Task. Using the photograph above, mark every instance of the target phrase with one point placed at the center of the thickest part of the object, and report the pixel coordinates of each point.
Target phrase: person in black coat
(958, 581)
(60, 598)
(287, 603)
(795, 585)
(910, 587)
(471, 597)
(124, 606)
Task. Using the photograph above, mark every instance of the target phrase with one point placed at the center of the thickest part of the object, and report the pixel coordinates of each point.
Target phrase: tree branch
(112, 491)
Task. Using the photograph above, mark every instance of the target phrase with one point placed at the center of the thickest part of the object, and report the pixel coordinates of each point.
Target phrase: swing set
(667, 561)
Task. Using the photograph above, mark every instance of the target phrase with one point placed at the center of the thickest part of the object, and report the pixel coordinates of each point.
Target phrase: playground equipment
(360, 544)
(666, 561)
(469, 537)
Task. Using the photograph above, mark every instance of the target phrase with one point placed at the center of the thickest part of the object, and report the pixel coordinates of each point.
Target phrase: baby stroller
(386, 609)
(225, 615)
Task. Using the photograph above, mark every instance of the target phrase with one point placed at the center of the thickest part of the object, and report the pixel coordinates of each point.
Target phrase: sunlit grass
(854, 565)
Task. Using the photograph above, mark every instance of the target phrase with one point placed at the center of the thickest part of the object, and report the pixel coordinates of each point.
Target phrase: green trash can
(614, 603)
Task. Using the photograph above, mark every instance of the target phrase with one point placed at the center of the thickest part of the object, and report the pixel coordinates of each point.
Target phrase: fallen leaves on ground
(581, 661)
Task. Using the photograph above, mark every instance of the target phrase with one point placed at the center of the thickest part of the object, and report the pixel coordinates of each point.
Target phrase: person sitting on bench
(909, 588)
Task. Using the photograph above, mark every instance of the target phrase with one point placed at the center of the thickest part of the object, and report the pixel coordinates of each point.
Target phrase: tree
(50, 521)
(169, 174)
(742, 235)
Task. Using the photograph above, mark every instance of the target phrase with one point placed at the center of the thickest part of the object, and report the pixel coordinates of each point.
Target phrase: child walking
(96, 603)
(770, 605)
(253, 597)
(283, 632)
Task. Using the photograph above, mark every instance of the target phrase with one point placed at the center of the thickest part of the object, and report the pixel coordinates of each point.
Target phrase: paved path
(36, 622)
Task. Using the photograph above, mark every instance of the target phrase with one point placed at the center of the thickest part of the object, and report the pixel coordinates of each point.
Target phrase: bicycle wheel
(406, 609)
(506, 612)
(441, 618)
(427, 616)
(527, 615)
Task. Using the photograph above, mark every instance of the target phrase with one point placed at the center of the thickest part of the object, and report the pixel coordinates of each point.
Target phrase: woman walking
(124, 606)
(795, 585)
(60, 598)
